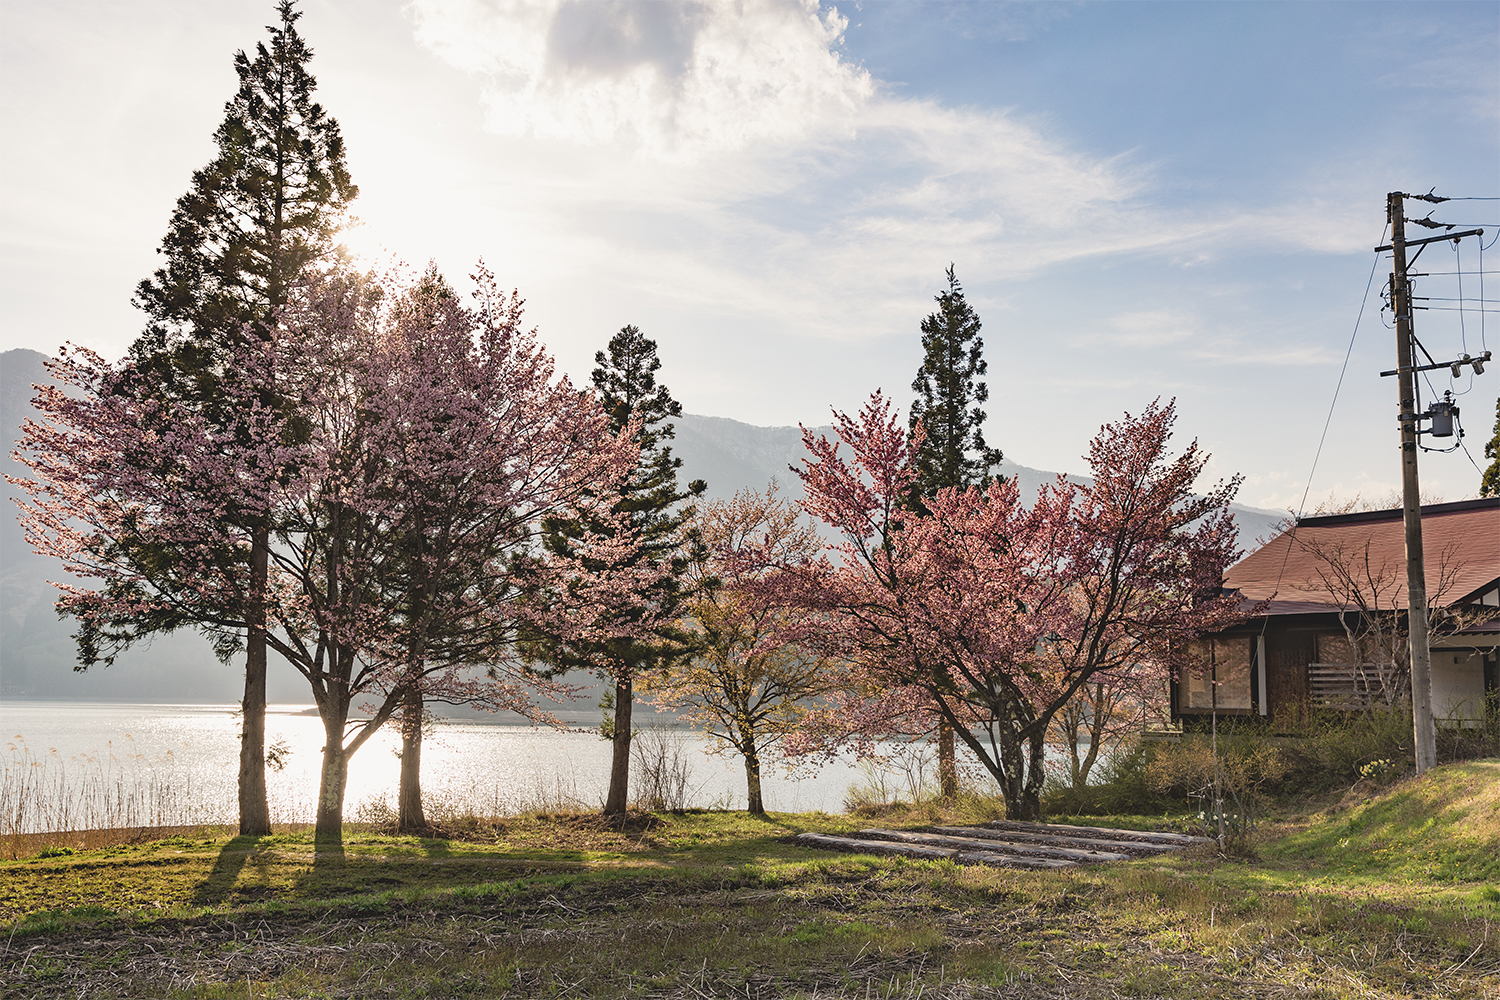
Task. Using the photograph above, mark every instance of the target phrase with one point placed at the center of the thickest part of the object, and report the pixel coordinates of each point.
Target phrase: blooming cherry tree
(425, 442)
(991, 615)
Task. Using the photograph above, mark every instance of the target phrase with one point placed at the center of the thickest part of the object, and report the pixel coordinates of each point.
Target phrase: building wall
(1457, 687)
(1287, 655)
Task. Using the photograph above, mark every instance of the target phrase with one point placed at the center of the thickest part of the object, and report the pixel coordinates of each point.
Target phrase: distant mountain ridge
(37, 651)
(733, 456)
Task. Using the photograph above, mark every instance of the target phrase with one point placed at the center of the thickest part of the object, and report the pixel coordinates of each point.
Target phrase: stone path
(1011, 844)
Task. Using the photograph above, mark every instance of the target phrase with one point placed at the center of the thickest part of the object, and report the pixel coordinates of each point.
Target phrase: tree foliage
(430, 442)
(257, 220)
(951, 392)
(750, 675)
(1489, 481)
(991, 615)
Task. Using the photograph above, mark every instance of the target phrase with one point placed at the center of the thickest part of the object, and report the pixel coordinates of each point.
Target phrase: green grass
(718, 904)
(1443, 829)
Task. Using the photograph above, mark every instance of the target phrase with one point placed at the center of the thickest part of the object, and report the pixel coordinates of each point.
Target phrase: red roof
(1316, 566)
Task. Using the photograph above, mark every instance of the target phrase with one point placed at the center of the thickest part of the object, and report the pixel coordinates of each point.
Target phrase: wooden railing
(1350, 687)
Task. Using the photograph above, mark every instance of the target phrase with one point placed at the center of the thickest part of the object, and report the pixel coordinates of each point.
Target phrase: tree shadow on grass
(219, 885)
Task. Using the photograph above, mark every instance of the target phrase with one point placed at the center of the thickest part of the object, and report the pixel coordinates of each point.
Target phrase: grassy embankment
(1396, 896)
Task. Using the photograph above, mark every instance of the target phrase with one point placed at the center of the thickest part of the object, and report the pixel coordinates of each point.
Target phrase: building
(1330, 628)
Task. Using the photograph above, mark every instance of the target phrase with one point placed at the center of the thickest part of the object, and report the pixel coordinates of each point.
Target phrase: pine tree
(262, 214)
(950, 391)
(653, 509)
(1489, 482)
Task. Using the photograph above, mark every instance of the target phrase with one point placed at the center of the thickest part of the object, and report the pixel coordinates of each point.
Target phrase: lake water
(178, 764)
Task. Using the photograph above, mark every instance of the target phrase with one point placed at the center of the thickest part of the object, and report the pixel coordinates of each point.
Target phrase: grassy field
(1394, 896)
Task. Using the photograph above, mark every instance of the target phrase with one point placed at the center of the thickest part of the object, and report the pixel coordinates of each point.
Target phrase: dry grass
(89, 802)
(715, 904)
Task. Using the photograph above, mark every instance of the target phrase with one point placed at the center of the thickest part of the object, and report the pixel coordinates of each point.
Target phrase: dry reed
(81, 802)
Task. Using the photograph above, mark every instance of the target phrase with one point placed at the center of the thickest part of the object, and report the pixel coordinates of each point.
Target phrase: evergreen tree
(263, 213)
(653, 512)
(1489, 482)
(950, 391)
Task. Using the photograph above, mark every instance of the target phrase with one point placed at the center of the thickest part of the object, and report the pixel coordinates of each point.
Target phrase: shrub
(663, 769)
(1123, 787)
(1329, 749)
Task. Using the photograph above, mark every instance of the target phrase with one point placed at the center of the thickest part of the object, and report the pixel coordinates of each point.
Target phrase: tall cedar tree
(950, 389)
(1489, 482)
(652, 507)
(260, 216)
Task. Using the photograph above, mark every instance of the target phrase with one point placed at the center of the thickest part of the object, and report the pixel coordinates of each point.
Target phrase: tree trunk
(619, 770)
(752, 782)
(255, 808)
(329, 830)
(1021, 764)
(410, 817)
(947, 765)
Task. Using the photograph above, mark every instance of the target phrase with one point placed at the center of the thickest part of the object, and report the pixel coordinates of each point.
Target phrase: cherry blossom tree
(990, 615)
(749, 676)
(406, 487)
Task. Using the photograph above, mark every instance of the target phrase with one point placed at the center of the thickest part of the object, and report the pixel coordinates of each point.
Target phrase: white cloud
(675, 77)
(727, 155)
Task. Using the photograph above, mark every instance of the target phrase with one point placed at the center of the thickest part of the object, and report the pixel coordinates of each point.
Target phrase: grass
(1397, 896)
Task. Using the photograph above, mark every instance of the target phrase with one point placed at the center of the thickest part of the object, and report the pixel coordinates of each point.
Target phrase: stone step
(1148, 835)
(972, 857)
(1089, 843)
(988, 840)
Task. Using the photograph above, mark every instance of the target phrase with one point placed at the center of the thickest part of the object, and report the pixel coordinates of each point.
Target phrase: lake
(165, 764)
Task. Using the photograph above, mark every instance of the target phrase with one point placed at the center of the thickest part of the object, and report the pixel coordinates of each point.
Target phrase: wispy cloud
(731, 153)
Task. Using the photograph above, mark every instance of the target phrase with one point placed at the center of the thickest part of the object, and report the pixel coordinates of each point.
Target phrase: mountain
(733, 456)
(37, 651)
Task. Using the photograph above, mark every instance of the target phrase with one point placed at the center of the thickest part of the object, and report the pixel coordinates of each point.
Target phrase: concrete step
(1154, 836)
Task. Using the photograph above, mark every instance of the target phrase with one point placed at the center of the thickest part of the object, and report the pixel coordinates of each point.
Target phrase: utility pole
(1424, 730)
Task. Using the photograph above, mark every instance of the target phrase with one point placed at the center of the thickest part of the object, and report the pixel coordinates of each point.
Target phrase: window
(1223, 678)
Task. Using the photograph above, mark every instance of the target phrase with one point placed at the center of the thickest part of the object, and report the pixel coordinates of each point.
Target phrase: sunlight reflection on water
(487, 767)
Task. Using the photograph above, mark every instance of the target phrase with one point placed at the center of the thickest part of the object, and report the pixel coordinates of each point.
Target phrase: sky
(1141, 200)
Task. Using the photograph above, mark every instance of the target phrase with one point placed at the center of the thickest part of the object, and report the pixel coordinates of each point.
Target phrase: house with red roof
(1330, 631)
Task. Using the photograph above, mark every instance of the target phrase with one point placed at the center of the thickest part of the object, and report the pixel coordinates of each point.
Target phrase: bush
(1473, 743)
(1329, 749)
(663, 770)
(1123, 788)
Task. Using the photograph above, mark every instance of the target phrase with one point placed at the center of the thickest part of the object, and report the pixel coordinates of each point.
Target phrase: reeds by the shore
(81, 802)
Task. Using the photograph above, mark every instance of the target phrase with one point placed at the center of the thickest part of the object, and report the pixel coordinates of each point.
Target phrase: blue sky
(1174, 199)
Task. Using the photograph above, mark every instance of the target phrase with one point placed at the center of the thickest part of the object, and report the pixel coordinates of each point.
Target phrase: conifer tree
(1489, 481)
(260, 216)
(651, 509)
(950, 392)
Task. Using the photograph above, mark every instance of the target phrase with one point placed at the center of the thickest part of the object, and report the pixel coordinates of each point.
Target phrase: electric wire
(1458, 263)
(1327, 422)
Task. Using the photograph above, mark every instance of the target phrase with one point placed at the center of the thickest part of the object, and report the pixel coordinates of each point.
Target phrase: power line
(1328, 421)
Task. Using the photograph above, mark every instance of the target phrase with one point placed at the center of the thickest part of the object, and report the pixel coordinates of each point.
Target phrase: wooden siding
(1287, 657)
